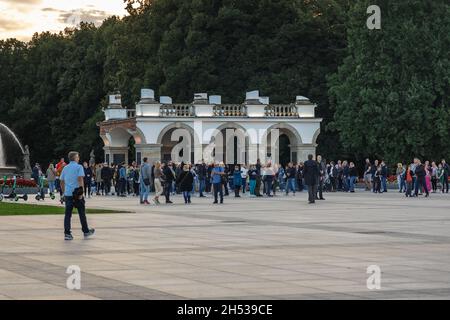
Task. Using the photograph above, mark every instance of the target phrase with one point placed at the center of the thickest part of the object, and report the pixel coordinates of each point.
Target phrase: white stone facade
(163, 130)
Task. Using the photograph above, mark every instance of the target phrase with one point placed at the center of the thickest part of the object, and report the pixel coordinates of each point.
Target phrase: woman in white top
(244, 174)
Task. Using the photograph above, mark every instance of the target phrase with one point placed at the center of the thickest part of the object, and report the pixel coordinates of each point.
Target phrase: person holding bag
(185, 181)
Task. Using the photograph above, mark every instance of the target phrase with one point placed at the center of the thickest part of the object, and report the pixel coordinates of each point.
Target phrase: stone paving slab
(278, 248)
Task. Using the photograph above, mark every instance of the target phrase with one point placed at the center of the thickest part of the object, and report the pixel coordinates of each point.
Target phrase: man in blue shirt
(216, 176)
(72, 179)
(122, 180)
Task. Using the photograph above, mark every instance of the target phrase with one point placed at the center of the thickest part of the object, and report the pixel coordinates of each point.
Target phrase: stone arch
(170, 149)
(118, 137)
(138, 136)
(272, 149)
(239, 144)
(315, 137)
(177, 125)
(292, 133)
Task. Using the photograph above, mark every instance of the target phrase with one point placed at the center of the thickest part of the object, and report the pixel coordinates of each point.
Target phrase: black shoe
(68, 237)
(169, 201)
(90, 233)
(321, 199)
(310, 202)
(215, 202)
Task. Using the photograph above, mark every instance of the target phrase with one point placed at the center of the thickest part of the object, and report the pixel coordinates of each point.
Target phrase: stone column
(116, 155)
(253, 153)
(302, 152)
(206, 153)
(150, 151)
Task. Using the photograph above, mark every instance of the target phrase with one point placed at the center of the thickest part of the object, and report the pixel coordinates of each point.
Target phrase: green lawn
(15, 209)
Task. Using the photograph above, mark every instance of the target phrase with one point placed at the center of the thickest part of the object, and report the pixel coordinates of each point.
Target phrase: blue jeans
(345, 182)
(282, 184)
(383, 184)
(187, 196)
(290, 185)
(352, 183)
(201, 185)
(401, 183)
(68, 215)
(51, 186)
(144, 191)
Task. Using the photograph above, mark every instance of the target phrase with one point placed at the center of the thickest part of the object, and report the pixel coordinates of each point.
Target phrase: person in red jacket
(409, 181)
(59, 168)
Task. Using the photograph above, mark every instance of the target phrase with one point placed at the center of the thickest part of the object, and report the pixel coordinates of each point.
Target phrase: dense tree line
(54, 87)
(391, 96)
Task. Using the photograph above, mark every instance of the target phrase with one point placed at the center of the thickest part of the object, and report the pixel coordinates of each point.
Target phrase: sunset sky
(21, 18)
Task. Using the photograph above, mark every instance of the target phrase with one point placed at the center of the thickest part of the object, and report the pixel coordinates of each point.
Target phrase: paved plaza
(279, 248)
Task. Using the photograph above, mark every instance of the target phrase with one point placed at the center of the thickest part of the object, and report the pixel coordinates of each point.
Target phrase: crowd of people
(75, 181)
(164, 179)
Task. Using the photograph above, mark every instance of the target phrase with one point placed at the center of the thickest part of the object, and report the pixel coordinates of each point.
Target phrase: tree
(390, 96)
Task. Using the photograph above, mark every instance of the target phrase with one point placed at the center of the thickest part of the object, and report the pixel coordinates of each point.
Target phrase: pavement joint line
(63, 276)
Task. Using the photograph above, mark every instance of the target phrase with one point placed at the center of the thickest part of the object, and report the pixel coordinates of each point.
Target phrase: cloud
(11, 25)
(74, 17)
(50, 10)
(22, 18)
(22, 1)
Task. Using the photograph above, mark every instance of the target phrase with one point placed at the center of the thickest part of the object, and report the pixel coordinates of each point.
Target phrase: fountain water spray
(4, 169)
(2, 154)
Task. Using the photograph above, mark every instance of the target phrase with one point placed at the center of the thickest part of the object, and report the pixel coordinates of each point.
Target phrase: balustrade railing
(177, 110)
(281, 110)
(225, 110)
(131, 113)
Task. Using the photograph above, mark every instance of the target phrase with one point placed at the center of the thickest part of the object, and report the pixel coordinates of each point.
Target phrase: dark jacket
(87, 175)
(35, 174)
(384, 171)
(345, 171)
(420, 171)
(106, 174)
(237, 178)
(252, 173)
(311, 172)
(201, 171)
(185, 181)
(291, 173)
(322, 168)
(168, 174)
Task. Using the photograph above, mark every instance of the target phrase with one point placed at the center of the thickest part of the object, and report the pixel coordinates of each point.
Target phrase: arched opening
(178, 145)
(284, 149)
(131, 150)
(231, 145)
(280, 140)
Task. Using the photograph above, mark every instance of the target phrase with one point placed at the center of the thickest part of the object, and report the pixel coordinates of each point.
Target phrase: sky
(22, 18)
